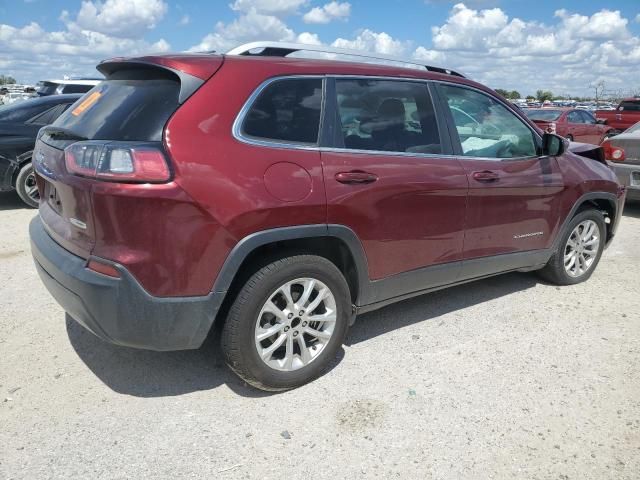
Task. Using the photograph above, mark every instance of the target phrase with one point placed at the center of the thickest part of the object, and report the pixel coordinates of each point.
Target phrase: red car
(573, 124)
(277, 198)
(626, 114)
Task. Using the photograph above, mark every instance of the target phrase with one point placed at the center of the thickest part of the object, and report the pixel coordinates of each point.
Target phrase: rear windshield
(123, 109)
(21, 111)
(543, 115)
(47, 88)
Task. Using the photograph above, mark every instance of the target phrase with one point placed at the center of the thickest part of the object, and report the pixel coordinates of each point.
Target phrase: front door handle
(486, 176)
(356, 177)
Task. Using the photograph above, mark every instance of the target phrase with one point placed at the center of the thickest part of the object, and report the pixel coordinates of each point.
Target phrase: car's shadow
(11, 201)
(156, 374)
(632, 209)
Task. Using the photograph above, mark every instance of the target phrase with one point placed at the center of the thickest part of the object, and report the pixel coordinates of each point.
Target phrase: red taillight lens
(117, 162)
(613, 153)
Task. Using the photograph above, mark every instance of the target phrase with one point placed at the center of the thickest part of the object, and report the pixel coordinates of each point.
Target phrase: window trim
(239, 135)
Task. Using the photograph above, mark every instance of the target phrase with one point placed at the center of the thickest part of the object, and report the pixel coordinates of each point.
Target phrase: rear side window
(487, 129)
(48, 116)
(127, 106)
(287, 110)
(387, 115)
(630, 106)
(71, 88)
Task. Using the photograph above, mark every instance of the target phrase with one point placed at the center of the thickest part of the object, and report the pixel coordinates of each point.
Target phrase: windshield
(123, 110)
(543, 115)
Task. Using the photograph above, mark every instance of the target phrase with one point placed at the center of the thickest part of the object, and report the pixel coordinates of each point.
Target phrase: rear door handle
(486, 176)
(356, 177)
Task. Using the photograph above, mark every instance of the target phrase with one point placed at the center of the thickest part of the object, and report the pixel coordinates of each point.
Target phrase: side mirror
(601, 121)
(553, 145)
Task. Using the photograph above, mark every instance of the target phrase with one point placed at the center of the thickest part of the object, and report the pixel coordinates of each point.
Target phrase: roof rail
(282, 49)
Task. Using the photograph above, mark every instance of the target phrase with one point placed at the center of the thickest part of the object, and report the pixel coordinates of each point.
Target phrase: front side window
(287, 110)
(486, 128)
(574, 117)
(587, 118)
(387, 115)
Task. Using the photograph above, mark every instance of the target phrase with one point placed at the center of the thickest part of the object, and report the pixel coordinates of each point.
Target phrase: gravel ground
(504, 378)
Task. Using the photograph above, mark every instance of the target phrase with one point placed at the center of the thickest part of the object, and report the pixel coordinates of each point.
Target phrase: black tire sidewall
(598, 218)
(246, 309)
(23, 174)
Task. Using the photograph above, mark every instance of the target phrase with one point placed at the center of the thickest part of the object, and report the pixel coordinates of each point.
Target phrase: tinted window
(46, 117)
(487, 128)
(124, 109)
(287, 110)
(46, 88)
(21, 111)
(387, 115)
(76, 88)
(543, 115)
(630, 106)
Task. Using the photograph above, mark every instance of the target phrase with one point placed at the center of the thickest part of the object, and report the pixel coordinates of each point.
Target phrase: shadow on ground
(632, 209)
(11, 201)
(144, 373)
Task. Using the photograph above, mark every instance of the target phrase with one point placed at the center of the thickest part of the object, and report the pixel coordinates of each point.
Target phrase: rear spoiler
(191, 70)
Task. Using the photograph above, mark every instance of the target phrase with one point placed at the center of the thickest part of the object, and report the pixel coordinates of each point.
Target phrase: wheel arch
(338, 243)
(605, 202)
(21, 161)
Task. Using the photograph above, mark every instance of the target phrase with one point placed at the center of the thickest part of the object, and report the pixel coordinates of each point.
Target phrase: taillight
(551, 128)
(117, 161)
(613, 153)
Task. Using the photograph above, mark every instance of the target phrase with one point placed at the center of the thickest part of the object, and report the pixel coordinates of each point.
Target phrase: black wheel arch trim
(608, 196)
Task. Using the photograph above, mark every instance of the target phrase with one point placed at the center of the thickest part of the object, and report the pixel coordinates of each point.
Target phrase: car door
(593, 130)
(513, 191)
(576, 126)
(388, 177)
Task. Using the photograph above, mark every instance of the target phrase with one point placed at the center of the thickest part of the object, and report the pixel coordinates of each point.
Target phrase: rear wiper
(61, 133)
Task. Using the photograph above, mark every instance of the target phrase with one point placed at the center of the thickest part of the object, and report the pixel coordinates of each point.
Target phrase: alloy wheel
(581, 249)
(295, 324)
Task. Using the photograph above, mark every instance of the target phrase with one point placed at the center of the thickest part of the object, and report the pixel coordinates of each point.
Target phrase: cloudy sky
(559, 45)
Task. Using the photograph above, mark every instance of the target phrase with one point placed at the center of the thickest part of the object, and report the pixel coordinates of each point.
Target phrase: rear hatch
(129, 109)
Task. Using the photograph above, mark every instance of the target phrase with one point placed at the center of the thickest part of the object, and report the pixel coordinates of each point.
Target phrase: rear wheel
(579, 250)
(26, 186)
(287, 323)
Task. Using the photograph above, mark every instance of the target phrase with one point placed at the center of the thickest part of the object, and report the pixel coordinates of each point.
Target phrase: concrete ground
(503, 378)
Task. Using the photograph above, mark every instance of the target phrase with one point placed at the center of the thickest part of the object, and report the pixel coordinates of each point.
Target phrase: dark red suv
(279, 197)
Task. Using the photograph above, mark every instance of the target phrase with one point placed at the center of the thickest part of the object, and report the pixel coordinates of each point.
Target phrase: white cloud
(185, 20)
(271, 7)
(327, 13)
(246, 28)
(373, 42)
(122, 18)
(308, 38)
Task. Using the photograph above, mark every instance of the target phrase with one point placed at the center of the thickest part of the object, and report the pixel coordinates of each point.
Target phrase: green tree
(543, 95)
(502, 92)
(5, 79)
(514, 95)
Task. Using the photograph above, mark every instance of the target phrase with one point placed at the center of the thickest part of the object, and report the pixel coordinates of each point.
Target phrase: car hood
(587, 150)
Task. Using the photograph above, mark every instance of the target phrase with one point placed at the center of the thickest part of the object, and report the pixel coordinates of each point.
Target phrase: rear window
(71, 88)
(543, 115)
(21, 111)
(47, 88)
(124, 107)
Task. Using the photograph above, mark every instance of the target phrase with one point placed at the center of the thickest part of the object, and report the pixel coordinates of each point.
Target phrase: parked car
(573, 124)
(19, 125)
(188, 191)
(59, 87)
(623, 153)
(626, 114)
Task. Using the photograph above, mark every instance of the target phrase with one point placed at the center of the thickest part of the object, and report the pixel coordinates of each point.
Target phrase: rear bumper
(119, 310)
(629, 176)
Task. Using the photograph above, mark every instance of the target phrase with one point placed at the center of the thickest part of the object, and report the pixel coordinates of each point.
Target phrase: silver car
(623, 154)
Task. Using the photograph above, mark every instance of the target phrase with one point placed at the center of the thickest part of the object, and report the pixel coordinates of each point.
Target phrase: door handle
(356, 177)
(486, 176)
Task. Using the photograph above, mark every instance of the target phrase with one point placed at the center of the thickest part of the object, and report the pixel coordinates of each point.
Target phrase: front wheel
(287, 323)
(579, 250)
(26, 186)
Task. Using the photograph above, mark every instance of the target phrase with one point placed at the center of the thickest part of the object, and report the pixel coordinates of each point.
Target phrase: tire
(250, 316)
(26, 187)
(555, 270)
